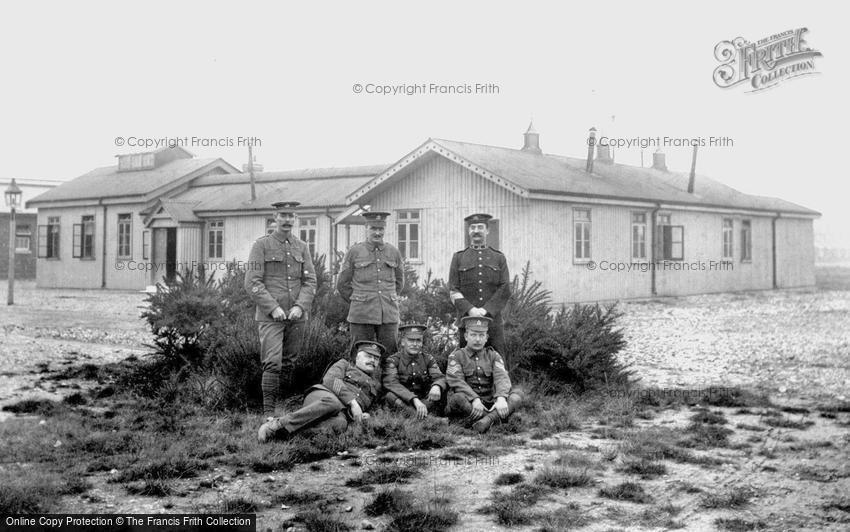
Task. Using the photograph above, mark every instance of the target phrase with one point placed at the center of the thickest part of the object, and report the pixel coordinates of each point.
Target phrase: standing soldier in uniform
(480, 386)
(347, 391)
(282, 282)
(370, 279)
(412, 378)
(479, 283)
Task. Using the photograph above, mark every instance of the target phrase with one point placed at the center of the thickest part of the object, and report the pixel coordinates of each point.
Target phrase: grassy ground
(596, 463)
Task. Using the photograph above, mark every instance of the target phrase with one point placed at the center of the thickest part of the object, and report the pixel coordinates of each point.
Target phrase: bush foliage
(207, 346)
(575, 347)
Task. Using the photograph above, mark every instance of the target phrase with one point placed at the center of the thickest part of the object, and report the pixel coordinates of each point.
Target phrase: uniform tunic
(479, 278)
(347, 382)
(370, 279)
(281, 274)
(408, 376)
(328, 401)
(480, 375)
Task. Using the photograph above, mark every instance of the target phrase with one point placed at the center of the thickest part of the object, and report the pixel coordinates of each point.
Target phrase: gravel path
(790, 342)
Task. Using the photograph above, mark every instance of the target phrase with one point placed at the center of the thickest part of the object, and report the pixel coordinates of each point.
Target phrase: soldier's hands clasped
(295, 313)
(421, 409)
(435, 393)
(278, 314)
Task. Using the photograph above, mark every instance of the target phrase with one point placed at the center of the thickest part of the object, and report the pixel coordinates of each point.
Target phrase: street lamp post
(13, 200)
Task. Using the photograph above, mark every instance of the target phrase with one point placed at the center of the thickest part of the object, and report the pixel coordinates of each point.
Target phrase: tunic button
(480, 281)
(289, 277)
(379, 291)
(480, 290)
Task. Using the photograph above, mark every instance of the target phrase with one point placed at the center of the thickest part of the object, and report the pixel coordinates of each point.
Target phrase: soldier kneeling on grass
(347, 391)
(412, 379)
(480, 386)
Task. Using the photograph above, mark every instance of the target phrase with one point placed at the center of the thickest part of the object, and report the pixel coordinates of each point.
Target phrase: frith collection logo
(765, 63)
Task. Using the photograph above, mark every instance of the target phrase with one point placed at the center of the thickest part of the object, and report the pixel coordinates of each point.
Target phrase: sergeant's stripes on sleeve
(338, 384)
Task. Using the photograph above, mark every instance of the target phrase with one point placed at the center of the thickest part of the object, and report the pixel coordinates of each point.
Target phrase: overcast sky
(76, 77)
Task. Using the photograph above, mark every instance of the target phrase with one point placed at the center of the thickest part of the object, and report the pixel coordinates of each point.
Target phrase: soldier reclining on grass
(480, 386)
(412, 379)
(347, 390)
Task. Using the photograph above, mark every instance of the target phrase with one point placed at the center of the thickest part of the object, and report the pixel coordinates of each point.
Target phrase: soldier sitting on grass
(347, 391)
(480, 386)
(412, 380)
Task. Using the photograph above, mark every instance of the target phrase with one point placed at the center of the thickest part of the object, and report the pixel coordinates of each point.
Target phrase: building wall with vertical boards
(540, 234)
(66, 271)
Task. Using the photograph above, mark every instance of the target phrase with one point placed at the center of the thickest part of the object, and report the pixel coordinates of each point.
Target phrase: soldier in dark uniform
(282, 283)
(480, 388)
(370, 281)
(412, 378)
(479, 283)
(347, 391)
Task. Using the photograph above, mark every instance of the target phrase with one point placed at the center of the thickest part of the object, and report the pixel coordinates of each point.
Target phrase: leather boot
(483, 425)
(272, 429)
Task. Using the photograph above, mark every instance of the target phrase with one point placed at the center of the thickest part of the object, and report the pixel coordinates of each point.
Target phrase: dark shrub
(576, 347)
(205, 334)
(179, 312)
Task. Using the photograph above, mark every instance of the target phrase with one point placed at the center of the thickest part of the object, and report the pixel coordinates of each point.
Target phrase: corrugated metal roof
(108, 182)
(555, 174)
(315, 187)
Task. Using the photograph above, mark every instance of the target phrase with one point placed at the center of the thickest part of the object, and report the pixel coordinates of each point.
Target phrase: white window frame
(125, 230)
(582, 228)
(215, 249)
(146, 245)
(728, 242)
(406, 219)
(20, 234)
(746, 241)
(639, 240)
(308, 227)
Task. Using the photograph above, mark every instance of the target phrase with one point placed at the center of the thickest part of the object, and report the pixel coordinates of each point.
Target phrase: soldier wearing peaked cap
(281, 281)
(348, 389)
(370, 280)
(412, 379)
(480, 386)
(480, 283)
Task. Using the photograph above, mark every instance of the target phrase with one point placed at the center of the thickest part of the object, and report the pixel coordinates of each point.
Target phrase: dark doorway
(170, 253)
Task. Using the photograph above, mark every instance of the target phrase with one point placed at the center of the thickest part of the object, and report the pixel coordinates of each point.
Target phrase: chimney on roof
(591, 142)
(250, 169)
(531, 140)
(693, 171)
(659, 161)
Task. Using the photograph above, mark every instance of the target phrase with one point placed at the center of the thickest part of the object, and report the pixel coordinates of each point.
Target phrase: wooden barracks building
(613, 232)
